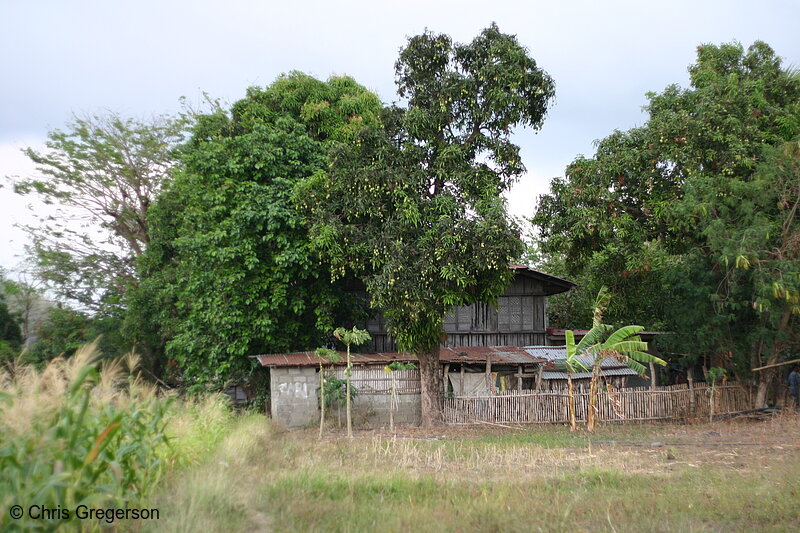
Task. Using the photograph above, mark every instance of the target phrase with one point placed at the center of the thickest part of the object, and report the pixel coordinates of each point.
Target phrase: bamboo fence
(675, 402)
(375, 380)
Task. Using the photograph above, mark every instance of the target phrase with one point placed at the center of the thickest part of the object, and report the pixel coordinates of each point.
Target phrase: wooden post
(461, 386)
(652, 376)
(445, 376)
(690, 381)
(519, 378)
(539, 377)
(489, 383)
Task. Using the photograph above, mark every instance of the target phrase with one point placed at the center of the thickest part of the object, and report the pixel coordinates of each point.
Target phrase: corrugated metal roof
(310, 358)
(620, 371)
(554, 354)
(513, 355)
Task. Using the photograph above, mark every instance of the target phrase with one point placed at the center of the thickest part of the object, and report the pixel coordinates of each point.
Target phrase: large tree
(690, 218)
(229, 271)
(414, 207)
(102, 172)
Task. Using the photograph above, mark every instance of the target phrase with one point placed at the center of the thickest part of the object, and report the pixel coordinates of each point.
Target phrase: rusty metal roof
(512, 355)
(310, 358)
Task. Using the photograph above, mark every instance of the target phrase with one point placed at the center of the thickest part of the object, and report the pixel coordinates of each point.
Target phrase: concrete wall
(294, 402)
(372, 410)
(293, 392)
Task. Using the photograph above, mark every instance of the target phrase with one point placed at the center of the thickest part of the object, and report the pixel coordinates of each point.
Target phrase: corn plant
(77, 433)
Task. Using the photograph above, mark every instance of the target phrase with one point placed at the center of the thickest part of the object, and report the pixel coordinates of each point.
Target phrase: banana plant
(603, 342)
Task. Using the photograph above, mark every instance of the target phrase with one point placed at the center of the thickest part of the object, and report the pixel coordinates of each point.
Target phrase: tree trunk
(573, 424)
(653, 379)
(593, 392)
(321, 400)
(347, 400)
(764, 381)
(766, 377)
(430, 383)
(392, 404)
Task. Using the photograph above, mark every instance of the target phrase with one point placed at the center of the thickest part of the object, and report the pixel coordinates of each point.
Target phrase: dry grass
(726, 476)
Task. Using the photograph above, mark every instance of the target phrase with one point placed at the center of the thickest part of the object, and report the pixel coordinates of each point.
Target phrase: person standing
(794, 386)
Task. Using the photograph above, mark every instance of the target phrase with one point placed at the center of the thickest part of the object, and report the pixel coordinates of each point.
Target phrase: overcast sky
(138, 58)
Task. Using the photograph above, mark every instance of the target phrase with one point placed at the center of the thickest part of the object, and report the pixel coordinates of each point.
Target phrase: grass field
(740, 475)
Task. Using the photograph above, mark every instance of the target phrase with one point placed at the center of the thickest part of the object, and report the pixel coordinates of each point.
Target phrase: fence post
(489, 383)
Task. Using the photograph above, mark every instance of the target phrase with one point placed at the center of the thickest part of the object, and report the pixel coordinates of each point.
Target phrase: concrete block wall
(372, 410)
(294, 402)
(293, 391)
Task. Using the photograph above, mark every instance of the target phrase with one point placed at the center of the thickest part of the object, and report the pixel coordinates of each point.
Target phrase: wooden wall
(519, 319)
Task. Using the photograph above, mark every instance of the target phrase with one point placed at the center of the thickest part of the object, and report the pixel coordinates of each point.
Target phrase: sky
(59, 58)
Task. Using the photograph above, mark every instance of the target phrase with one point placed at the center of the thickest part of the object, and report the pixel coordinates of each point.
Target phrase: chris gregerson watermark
(81, 512)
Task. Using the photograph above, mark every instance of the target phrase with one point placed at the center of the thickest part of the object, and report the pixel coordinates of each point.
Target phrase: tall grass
(85, 431)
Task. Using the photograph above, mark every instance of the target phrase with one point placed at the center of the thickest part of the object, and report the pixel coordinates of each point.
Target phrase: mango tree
(691, 218)
(414, 207)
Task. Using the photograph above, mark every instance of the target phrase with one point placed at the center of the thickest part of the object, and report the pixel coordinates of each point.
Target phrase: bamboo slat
(673, 402)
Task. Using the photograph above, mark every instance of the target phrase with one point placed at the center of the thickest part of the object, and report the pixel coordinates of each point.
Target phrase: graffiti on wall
(293, 390)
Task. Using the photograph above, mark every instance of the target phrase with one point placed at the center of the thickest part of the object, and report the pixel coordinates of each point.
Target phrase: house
(519, 319)
(483, 351)
(470, 370)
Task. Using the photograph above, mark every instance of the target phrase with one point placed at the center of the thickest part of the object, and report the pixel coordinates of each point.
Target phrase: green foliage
(62, 330)
(229, 271)
(400, 365)
(714, 374)
(10, 333)
(335, 391)
(413, 207)
(689, 219)
(572, 363)
(354, 337)
(328, 355)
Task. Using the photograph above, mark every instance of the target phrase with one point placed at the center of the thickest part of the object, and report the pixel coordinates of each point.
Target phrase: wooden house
(483, 350)
(518, 319)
